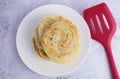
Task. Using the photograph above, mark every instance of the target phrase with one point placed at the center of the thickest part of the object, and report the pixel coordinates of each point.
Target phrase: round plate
(26, 31)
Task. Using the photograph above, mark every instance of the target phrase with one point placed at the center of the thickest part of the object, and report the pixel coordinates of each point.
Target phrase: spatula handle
(113, 67)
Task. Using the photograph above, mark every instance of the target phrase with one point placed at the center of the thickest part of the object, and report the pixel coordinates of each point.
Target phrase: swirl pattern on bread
(56, 38)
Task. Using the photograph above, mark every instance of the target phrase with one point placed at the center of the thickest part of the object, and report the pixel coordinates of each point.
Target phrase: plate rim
(89, 36)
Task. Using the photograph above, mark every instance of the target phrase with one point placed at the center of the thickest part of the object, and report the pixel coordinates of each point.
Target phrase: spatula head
(101, 22)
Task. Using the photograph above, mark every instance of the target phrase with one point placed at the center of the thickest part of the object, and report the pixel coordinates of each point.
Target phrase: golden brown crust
(34, 45)
(65, 44)
(37, 46)
(57, 39)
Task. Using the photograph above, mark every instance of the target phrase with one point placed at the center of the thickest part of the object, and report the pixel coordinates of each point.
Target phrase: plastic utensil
(102, 27)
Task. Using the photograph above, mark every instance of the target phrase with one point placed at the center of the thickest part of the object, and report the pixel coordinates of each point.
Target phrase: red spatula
(102, 27)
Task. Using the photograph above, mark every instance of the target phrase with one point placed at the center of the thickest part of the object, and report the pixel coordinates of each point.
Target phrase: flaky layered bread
(37, 45)
(56, 38)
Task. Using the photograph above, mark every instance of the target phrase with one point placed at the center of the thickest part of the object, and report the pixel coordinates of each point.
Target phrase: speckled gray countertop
(11, 67)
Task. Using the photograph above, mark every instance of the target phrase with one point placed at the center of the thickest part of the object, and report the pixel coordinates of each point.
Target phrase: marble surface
(11, 67)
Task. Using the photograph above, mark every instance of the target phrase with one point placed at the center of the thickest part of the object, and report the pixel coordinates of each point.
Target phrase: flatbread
(61, 42)
(56, 38)
(37, 46)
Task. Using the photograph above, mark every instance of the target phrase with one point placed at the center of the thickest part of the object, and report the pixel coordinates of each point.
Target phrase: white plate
(26, 31)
